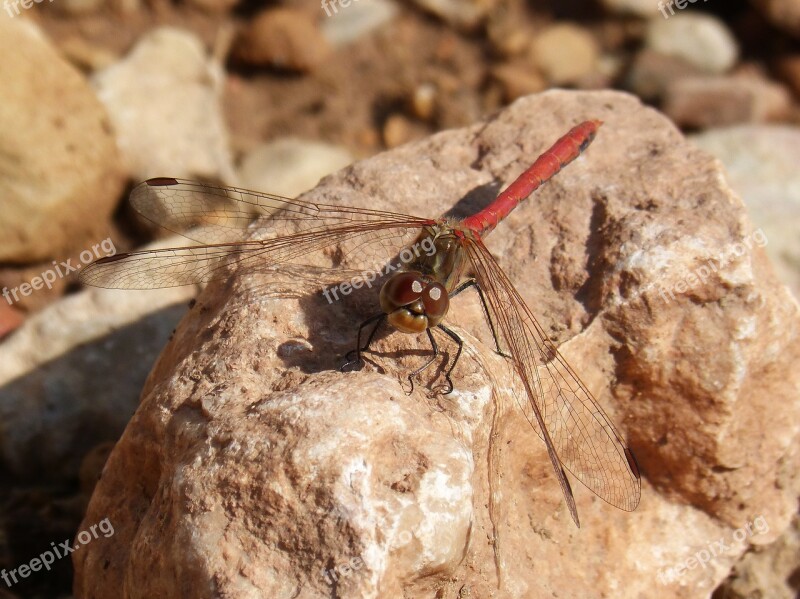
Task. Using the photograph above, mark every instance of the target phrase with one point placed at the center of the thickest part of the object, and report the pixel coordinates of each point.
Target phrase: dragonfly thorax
(414, 302)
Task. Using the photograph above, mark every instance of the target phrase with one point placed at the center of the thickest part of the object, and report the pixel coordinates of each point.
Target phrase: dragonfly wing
(577, 432)
(215, 214)
(298, 258)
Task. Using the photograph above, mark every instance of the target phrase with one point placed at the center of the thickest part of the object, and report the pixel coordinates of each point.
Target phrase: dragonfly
(303, 245)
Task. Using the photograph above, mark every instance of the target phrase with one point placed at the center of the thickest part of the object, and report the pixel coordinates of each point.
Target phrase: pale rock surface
(290, 166)
(701, 39)
(62, 175)
(253, 464)
(761, 166)
(164, 102)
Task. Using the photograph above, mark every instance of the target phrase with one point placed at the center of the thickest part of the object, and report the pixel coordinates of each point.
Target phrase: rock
(699, 39)
(704, 102)
(164, 102)
(290, 166)
(423, 101)
(462, 14)
(761, 165)
(652, 73)
(282, 37)
(70, 376)
(62, 171)
(346, 24)
(788, 68)
(641, 8)
(517, 80)
(253, 467)
(565, 53)
(396, 130)
(784, 14)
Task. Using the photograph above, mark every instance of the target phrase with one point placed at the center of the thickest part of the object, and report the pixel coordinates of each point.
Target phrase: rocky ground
(97, 95)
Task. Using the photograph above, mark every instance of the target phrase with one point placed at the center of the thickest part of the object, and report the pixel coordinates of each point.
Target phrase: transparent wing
(577, 432)
(306, 243)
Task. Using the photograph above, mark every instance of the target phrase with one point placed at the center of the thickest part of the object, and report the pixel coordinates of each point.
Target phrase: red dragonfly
(297, 241)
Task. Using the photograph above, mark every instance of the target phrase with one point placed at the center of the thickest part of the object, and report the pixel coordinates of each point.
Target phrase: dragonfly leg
(474, 283)
(357, 351)
(430, 361)
(452, 334)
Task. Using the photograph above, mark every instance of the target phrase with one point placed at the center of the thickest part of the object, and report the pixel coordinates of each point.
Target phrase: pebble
(345, 25)
(701, 102)
(651, 73)
(285, 38)
(700, 39)
(565, 53)
(423, 101)
(10, 318)
(290, 166)
(164, 102)
(396, 130)
(784, 14)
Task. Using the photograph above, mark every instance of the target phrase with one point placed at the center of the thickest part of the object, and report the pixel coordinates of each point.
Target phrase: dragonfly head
(414, 302)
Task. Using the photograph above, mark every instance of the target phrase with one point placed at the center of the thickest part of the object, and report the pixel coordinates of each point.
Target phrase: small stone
(700, 39)
(423, 101)
(396, 131)
(290, 166)
(565, 53)
(356, 20)
(285, 38)
(788, 68)
(651, 73)
(701, 102)
(213, 6)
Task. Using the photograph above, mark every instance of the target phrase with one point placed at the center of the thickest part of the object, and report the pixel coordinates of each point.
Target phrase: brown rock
(565, 53)
(784, 14)
(718, 101)
(253, 467)
(282, 37)
(10, 318)
(62, 171)
(652, 73)
(518, 79)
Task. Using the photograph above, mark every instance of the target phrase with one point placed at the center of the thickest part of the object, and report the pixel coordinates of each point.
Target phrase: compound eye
(436, 302)
(402, 289)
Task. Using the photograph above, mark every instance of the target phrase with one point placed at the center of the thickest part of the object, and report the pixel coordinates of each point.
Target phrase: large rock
(253, 467)
(62, 175)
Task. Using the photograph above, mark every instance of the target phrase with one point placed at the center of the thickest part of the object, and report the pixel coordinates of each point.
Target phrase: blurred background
(96, 95)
